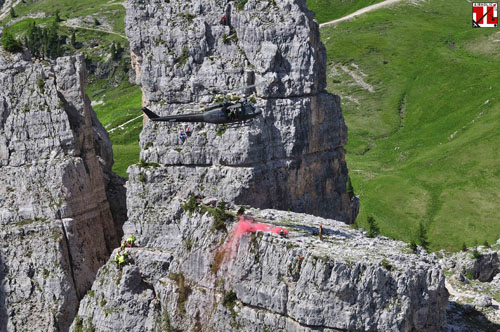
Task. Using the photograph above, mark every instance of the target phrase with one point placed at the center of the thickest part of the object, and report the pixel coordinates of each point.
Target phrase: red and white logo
(484, 15)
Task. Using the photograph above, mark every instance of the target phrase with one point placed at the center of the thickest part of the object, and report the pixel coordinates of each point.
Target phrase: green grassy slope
(327, 10)
(115, 107)
(423, 144)
(119, 102)
(111, 10)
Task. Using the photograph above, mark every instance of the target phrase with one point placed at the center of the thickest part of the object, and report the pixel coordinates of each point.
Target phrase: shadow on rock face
(465, 318)
(117, 198)
(3, 297)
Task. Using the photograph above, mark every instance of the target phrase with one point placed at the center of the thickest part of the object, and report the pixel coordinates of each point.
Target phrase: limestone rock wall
(56, 225)
(290, 158)
(203, 279)
(189, 271)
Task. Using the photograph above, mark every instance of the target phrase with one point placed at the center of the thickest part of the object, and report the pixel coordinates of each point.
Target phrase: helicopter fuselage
(218, 114)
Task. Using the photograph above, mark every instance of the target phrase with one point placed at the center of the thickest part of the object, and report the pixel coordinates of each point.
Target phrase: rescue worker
(131, 240)
(182, 136)
(125, 254)
(117, 256)
(223, 20)
(123, 245)
(121, 261)
(188, 132)
(320, 232)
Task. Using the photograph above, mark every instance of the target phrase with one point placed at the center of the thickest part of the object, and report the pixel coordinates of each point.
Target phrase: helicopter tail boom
(150, 113)
(173, 118)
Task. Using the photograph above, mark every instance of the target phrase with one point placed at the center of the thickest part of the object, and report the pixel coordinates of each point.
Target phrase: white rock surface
(56, 225)
(291, 158)
(345, 282)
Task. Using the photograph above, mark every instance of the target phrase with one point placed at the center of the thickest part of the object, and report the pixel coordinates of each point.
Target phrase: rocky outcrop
(196, 269)
(292, 158)
(56, 225)
(483, 267)
(473, 282)
(203, 278)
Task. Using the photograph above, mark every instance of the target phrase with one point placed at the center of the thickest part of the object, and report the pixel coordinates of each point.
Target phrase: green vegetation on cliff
(419, 92)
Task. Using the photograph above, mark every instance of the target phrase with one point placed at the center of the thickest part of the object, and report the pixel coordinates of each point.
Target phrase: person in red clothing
(223, 20)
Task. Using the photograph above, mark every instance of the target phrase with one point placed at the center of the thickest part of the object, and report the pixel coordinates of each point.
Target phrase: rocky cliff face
(207, 279)
(292, 158)
(56, 225)
(196, 269)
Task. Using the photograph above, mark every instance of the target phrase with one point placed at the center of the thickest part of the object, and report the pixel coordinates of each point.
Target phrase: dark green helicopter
(222, 113)
(226, 112)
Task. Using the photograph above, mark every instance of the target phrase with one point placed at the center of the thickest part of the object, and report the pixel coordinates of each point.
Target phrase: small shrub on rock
(464, 247)
(413, 246)
(422, 236)
(10, 43)
(373, 229)
(386, 265)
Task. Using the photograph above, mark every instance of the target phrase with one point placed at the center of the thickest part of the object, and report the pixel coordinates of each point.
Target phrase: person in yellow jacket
(121, 260)
(131, 240)
(117, 256)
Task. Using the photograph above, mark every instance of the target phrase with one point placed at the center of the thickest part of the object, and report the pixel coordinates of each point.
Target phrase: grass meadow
(419, 90)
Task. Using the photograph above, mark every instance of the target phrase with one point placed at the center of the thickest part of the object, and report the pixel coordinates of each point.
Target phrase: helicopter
(222, 113)
(226, 112)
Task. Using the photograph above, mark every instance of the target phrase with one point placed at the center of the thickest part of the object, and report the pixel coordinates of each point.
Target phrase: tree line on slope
(40, 42)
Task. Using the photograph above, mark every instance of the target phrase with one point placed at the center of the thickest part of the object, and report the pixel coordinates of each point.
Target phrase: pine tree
(53, 42)
(12, 12)
(33, 40)
(96, 21)
(113, 51)
(10, 43)
(422, 236)
(373, 229)
(57, 17)
(475, 253)
(413, 246)
(119, 50)
(464, 247)
(350, 189)
(73, 38)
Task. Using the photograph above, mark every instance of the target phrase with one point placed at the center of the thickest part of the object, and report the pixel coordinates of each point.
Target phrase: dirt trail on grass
(359, 12)
(123, 124)
(93, 29)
